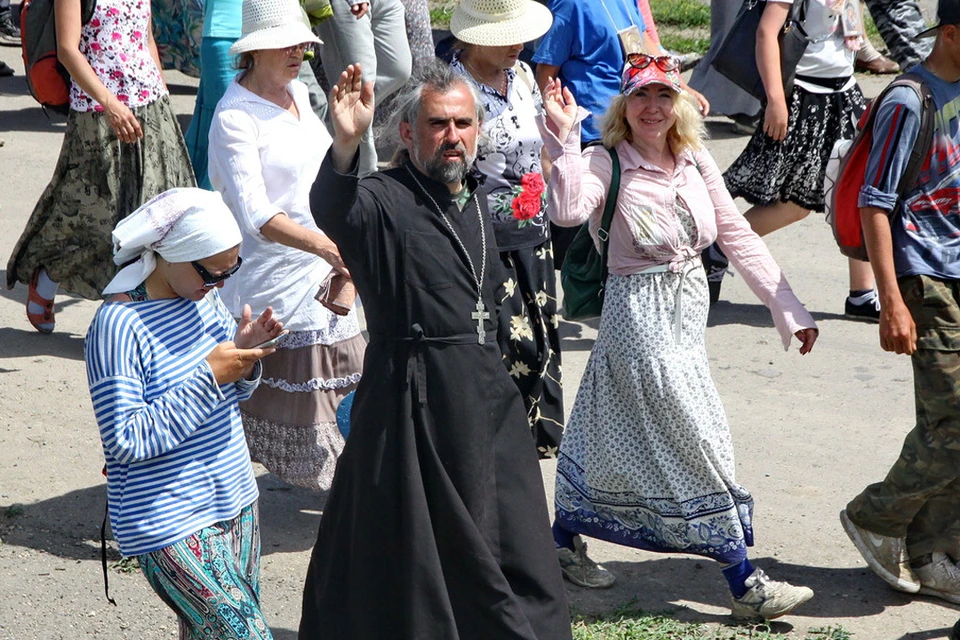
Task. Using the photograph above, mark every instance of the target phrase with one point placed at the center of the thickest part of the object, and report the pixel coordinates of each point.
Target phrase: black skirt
(793, 169)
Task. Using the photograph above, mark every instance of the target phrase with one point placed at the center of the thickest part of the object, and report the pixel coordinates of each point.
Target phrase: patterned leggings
(212, 580)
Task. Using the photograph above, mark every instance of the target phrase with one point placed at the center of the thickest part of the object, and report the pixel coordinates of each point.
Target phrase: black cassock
(436, 525)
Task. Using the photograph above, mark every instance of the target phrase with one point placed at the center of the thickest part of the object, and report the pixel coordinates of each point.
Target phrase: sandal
(42, 322)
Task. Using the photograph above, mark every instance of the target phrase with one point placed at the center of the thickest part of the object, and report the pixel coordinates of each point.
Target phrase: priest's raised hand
(351, 112)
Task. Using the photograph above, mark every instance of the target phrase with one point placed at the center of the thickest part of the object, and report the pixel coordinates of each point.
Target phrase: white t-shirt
(826, 55)
(263, 160)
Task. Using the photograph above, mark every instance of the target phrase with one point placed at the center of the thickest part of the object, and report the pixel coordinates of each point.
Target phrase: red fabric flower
(533, 183)
(527, 204)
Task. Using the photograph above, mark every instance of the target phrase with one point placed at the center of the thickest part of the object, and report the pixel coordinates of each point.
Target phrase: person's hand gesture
(253, 332)
(898, 331)
(124, 124)
(806, 337)
(360, 9)
(351, 104)
(776, 119)
(560, 107)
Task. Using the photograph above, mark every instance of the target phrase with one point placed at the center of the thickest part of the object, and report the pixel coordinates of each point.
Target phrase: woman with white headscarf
(167, 365)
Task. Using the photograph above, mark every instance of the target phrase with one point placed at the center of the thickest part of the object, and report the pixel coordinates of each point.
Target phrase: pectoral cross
(480, 315)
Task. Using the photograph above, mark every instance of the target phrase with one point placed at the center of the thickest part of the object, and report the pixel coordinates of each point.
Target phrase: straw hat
(272, 24)
(498, 23)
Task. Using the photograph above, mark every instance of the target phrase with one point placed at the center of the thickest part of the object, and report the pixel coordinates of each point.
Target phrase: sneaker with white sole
(767, 599)
(887, 556)
(865, 307)
(578, 568)
(940, 578)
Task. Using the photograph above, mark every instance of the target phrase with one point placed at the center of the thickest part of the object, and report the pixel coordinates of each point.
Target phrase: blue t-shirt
(925, 226)
(583, 42)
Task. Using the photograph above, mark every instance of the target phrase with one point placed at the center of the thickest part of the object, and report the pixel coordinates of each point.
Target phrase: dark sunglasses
(210, 280)
(643, 60)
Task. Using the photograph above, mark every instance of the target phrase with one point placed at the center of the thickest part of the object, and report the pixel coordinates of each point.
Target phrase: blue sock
(736, 575)
(561, 537)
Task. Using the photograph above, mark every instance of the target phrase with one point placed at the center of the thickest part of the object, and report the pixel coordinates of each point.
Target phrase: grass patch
(679, 42)
(680, 14)
(13, 511)
(126, 565)
(630, 623)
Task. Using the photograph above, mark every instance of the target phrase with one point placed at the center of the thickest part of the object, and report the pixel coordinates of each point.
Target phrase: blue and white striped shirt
(177, 460)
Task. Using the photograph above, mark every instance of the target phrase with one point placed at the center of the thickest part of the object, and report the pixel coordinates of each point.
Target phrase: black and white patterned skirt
(793, 169)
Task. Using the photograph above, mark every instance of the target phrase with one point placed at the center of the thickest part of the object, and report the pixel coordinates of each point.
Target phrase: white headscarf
(182, 225)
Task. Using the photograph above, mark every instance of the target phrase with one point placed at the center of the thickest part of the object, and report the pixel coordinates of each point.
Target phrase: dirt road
(810, 432)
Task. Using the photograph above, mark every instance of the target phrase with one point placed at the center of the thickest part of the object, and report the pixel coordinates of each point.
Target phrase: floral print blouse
(115, 43)
(508, 159)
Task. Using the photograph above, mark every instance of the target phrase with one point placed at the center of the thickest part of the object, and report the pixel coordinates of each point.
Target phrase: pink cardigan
(644, 230)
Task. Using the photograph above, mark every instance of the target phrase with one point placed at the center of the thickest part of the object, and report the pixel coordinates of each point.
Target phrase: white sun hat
(272, 24)
(499, 23)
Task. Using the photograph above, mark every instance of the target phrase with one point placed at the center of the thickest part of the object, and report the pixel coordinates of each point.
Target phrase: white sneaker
(885, 555)
(579, 569)
(767, 599)
(940, 578)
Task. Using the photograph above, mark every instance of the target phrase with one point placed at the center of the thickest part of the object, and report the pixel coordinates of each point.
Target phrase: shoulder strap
(86, 10)
(604, 232)
(526, 74)
(921, 146)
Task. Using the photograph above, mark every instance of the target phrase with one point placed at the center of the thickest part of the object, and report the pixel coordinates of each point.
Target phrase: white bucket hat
(499, 23)
(272, 24)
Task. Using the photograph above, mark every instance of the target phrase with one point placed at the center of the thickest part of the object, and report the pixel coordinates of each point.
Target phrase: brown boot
(879, 65)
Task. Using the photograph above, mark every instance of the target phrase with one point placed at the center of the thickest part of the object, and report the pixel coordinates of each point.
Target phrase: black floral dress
(509, 171)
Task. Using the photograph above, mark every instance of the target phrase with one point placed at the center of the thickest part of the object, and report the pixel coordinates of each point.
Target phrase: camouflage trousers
(899, 22)
(920, 497)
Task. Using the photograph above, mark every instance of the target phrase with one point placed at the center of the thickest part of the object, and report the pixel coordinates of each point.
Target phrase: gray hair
(436, 75)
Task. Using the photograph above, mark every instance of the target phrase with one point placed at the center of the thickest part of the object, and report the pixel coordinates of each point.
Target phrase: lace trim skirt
(290, 421)
(647, 458)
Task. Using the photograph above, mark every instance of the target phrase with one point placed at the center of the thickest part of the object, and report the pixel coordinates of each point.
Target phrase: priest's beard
(440, 169)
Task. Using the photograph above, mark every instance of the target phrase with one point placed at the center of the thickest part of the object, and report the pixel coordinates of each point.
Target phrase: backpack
(847, 168)
(47, 79)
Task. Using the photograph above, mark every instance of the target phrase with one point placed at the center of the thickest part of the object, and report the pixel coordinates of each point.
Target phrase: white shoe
(767, 599)
(885, 555)
(940, 578)
(578, 568)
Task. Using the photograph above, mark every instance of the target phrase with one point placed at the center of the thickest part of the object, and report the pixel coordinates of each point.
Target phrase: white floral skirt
(647, 458)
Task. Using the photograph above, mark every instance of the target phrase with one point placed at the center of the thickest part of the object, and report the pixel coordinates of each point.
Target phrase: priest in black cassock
(436, 526)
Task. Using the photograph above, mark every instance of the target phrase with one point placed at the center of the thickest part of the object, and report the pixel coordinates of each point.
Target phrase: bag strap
(86, 10)
(921, 146)
(603, 233)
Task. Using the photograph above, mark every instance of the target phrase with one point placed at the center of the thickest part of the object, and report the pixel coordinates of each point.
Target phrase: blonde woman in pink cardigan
(647, 458)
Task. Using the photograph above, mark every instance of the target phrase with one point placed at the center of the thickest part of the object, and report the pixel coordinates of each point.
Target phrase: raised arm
(351, 111)
(577, 184)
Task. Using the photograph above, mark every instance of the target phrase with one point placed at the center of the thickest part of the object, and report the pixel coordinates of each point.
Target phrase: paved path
(810, 433)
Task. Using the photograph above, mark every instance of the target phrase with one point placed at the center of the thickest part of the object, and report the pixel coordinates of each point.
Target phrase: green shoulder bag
(584, 271)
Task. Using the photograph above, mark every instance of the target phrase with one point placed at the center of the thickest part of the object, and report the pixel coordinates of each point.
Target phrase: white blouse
(263, 160)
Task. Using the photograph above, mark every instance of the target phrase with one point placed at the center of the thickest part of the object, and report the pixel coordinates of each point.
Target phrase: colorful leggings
(211, 579)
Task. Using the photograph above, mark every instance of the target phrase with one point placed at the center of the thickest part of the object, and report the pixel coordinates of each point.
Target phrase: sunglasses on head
(643, 60)
(210, 280)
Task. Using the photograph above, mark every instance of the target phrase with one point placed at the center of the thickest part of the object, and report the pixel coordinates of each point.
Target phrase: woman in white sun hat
(266, 146)
(490, 35)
